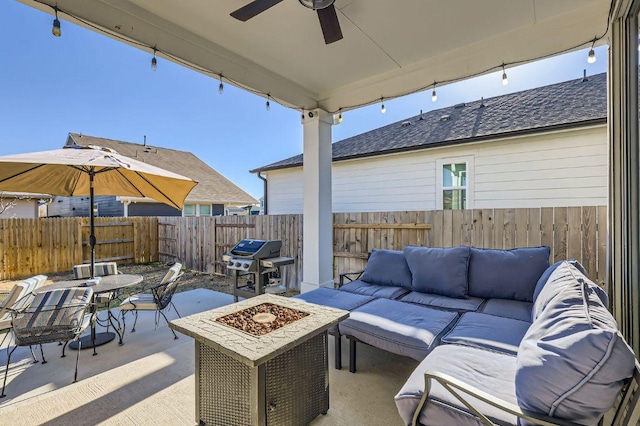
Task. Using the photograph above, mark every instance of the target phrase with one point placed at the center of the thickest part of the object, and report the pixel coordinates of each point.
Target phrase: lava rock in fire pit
(261, 319)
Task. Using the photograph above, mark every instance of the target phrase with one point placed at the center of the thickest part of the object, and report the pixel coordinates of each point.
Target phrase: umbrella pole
(92, 236)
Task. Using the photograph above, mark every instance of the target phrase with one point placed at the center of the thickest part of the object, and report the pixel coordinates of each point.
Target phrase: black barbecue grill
(258, 261)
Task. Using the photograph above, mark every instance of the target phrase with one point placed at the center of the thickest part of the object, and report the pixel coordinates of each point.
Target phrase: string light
(154, 61)
(268, 104)
(340, 116)
(55, 30)
(383, 109)
(592, 54)
(434, 95)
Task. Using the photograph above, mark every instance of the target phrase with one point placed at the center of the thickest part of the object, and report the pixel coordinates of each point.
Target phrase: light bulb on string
(592, 55)
(505, 80)
(340, 116)
(55, 30)
(383, 109)
(154, 61)
(268, 103)
(434, 95)
(220, 86)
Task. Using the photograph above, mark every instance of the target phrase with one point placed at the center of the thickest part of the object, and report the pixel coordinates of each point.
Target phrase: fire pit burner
(261, 319)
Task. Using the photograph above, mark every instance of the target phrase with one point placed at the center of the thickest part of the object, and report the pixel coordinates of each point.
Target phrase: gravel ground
(153, 273)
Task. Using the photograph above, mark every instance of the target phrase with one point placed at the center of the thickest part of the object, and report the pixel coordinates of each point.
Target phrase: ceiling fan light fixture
(316, 4)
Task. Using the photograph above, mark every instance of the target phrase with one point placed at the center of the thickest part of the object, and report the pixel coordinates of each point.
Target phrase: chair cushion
(443, 302)
(367, 289)
(100, 269)
(387, 267)
(573, 360)
(440, 271)
(488, 332)
(140, 302)
(398, 327)
(30, 286)
(507, 274)
(171, 273)
(491, 372)
(55, 315)
(515, 309)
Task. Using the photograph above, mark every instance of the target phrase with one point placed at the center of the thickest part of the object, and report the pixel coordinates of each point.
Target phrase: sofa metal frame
(626, 411)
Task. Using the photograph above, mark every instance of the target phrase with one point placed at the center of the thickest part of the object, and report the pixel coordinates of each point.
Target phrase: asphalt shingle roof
(568, 104)
(212, 186)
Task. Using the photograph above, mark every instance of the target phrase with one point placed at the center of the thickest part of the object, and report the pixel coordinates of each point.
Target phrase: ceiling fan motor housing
(316, 4)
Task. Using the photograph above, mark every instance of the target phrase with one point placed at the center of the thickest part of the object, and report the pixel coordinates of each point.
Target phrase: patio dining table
(106, 284)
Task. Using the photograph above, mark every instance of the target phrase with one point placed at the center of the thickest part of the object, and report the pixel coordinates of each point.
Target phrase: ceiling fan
(326, 14)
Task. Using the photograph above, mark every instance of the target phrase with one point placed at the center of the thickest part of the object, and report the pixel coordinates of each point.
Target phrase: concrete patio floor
(150, 380)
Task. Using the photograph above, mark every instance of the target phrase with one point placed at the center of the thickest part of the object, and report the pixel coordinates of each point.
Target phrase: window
(205, 209)
(453, 186)
(189, 210)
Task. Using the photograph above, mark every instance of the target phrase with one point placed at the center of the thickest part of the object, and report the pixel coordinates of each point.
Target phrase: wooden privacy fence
(570, 232)
(47, 245)
(35, 246)
(200, 242)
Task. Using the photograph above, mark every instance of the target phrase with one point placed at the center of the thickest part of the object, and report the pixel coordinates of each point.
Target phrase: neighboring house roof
(24, 195)
(212, 187)
(568, 104)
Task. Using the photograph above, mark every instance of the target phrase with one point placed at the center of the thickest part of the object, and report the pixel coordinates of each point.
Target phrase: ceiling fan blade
(252, 9)
(330, 25)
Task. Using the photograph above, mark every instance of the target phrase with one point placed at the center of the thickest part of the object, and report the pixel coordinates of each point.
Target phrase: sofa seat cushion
(443, 302)
(387, 267)
(491, 372)
(488, 332)
(507, 274)
(573, 360)
(508, 309)
(374, 290)
(334, 299)
(437, 270)
(398, 327)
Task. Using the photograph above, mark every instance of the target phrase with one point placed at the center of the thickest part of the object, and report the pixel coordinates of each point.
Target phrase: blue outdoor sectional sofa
(503, 337)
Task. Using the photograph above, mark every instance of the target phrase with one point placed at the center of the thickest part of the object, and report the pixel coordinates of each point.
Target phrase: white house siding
(22, 209)
(567, 168)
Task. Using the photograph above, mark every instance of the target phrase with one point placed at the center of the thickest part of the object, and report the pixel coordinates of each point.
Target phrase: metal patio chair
(100, 269)
(158, 298)
(18, 299)
(53, 316)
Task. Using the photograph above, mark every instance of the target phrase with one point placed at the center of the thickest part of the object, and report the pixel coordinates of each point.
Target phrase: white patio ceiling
(390, 48)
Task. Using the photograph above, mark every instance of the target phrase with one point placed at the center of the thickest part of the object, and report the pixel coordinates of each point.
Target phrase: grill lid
(257, 249)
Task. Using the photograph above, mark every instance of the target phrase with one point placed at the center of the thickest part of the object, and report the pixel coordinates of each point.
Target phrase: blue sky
(87, 83)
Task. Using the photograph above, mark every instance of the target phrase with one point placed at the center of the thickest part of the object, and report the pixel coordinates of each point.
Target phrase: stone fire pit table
(280, 377)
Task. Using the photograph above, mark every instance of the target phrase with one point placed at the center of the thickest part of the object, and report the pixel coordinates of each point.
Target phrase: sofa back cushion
(387, 267)
(553, 280)
(440, 271)
(506, 274)
(573, 361)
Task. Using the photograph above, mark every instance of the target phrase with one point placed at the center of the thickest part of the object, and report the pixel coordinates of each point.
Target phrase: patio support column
(624, 179)
(318, 218)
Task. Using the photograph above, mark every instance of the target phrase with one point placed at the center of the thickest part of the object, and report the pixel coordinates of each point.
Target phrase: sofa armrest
(453, 385)
(351, 276)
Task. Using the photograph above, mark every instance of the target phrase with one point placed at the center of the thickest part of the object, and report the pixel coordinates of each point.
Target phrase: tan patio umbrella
(90, 170)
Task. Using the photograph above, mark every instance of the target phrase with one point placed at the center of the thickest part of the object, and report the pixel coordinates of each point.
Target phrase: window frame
(468, 160)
